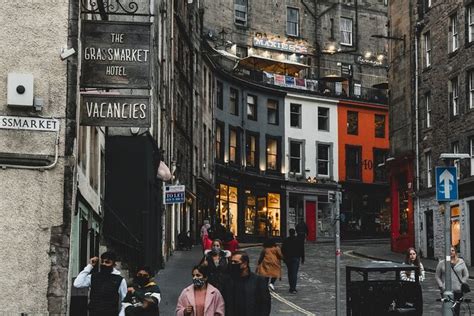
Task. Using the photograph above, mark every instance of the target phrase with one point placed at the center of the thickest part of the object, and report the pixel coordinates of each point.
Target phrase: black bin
(375, 289)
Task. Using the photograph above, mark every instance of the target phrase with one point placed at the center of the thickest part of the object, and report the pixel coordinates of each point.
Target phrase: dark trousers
(457, 309)
(293, 264)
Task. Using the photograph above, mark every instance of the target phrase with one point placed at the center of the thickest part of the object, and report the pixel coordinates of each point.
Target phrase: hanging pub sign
(115, 110)
(369, 61)
(115, 55)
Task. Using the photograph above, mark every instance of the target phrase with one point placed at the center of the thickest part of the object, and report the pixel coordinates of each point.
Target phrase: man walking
(246, 294)
(107, 287)
(293, 252)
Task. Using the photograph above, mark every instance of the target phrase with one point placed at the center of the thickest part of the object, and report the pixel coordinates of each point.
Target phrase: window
(234, 146)
(83, 134)
(292, 21)
(272, 111)
(429, 170)
(251, 152)
(457, 162)
(94, 159)
(219, 141)
(252, 107)
(427, 40)
(241, 51)
(379, 126)
(453, 33)
(295, 157)
(204, 150)
(272, 154)
(234, 101)
(471, 152)
(353, 162)
(453, 96)
(470, 21)
(323, 164)
(428, 109)
(220, 95)
(295, 115)
(380, 155)
(323, 119)
(471, 89)
(240, 12)
(352, 123)
(346, 31)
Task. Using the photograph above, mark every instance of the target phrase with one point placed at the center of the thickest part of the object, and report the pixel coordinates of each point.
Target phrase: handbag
(464, 286)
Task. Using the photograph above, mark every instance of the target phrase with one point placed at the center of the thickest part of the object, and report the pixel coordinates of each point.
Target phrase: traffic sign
(446, 184)
(174, 194)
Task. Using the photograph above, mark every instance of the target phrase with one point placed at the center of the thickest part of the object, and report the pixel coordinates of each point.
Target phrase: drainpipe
(417, 216)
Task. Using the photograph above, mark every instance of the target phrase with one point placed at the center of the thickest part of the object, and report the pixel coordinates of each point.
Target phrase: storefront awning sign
(280, 45)
(115, 55)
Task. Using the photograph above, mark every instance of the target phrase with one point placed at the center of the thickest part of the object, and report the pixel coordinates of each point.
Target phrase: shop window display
(228, 207)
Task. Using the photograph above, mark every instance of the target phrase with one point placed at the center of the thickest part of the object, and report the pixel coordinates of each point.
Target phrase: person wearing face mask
(249, 294)
(200, 298)
(107, 287)
(216, 260)
(144, 287)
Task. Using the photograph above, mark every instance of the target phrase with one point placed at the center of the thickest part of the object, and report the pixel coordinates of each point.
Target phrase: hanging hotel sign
(369, 61)
(279, 44)
(115, 110)
(29, 123)
(115, 55)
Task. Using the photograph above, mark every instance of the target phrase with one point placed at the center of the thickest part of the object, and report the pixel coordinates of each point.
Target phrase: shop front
(252, 210)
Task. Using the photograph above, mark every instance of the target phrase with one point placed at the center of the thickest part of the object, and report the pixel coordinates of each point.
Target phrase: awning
(272, 65)
(333, 78)
(381, 85)
(227, 54)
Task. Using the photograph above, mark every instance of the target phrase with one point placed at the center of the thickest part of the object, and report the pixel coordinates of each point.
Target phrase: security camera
(66, 53)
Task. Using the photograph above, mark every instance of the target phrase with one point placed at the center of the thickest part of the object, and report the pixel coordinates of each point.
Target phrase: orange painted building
(363, 146)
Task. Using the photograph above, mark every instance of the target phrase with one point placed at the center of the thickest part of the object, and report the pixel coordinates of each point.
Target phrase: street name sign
(115, 110)
(174, 194)
(115, 55)
(446, 184)
(29, 123)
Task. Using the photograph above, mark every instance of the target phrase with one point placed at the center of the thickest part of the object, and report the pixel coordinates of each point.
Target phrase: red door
(311, 220)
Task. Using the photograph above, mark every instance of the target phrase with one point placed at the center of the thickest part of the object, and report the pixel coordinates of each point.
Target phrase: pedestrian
(200, 298)
(293, 254)
(219, 231)
(301, 229)
(216, 261)
(107, 287)
(249, 294)
(206, 243)
(144, 289)
(412, 259)
(269, 263)
(459, 276)
(231, 243)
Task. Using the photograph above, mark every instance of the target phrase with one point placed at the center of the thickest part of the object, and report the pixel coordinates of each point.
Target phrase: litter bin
(375, 289)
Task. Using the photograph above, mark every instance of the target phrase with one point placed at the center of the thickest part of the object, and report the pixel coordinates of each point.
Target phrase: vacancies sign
(115, 55)
(115, 110)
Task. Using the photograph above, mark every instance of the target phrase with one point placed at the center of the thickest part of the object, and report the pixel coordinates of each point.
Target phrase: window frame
(453, 33)
(241, 20)
(377, 134)
(300, 143)
(234, 102)
(255, 107)
(236, 147)
(470, 23)
(428, 109)
(359, 165)
(296, 23)
(429, 169)
(380, 174)
(453, 96)
(428, 48)
(328, 162)
(470, 87)
(220, 95)
(248, 136)
(295, 113)
(277, 154)
(357, 123)
(350, 32)
(324, 117)
(220, 139)
(457, 163)
(471, 151)
(277, 110)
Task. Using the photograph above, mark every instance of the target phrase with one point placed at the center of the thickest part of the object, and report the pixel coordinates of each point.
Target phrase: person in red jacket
(231, 242)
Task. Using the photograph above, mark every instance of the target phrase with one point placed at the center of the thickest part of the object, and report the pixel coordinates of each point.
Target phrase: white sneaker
(270, 285)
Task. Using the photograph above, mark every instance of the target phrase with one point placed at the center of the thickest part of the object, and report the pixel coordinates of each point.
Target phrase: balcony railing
(320, 87)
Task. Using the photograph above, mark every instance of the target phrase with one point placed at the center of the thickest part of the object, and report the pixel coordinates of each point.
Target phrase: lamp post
(448, 290)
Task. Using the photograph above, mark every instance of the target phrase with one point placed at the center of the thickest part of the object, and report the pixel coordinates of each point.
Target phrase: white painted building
(311, 164)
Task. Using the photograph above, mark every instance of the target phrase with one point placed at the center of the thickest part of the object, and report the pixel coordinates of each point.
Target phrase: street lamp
(448, 293)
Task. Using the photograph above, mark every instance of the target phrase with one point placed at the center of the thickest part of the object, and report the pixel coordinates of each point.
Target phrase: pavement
(316, 278)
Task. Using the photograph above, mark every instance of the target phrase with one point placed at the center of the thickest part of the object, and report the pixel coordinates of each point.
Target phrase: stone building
(441, 34)
(316, 53)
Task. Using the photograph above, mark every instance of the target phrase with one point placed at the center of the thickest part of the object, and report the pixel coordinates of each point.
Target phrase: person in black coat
(246, 294)
(293, 254)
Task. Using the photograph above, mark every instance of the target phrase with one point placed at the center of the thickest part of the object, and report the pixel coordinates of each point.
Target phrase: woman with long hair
(269, 263)
(216, 260)
(412, 259)
(200, 298)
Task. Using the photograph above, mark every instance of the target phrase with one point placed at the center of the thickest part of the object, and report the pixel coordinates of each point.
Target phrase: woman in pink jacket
(200, 298)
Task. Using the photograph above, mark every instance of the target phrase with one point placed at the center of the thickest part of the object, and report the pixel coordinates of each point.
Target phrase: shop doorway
(471, 228)
(311, 220)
